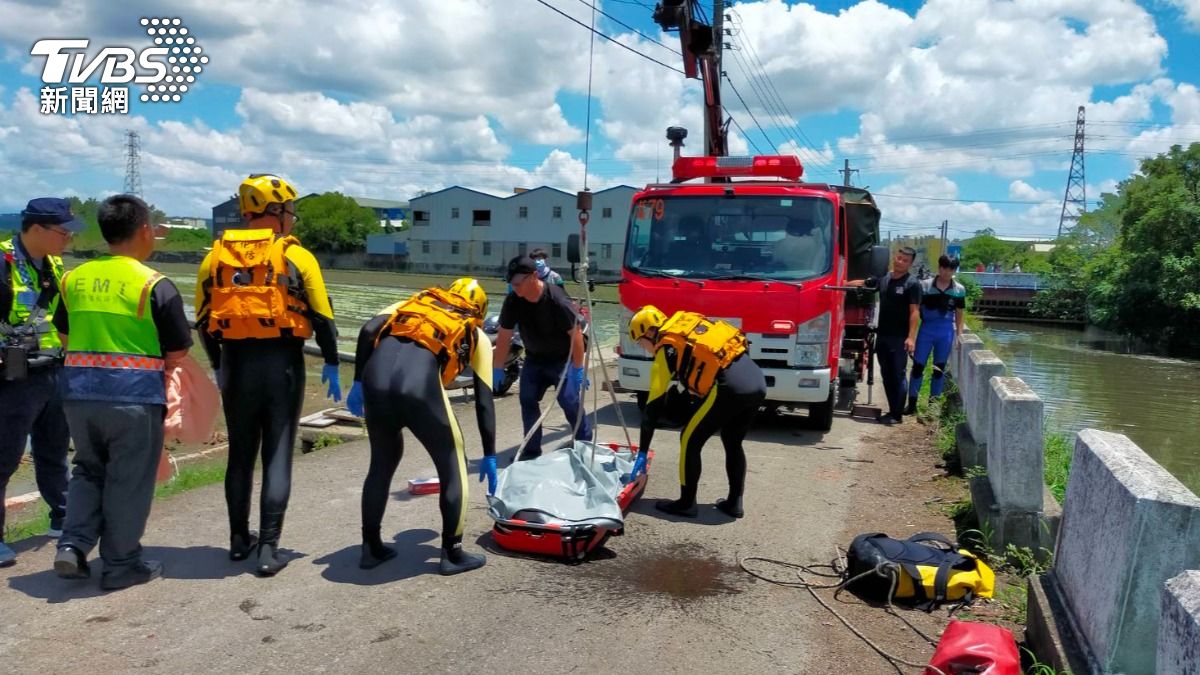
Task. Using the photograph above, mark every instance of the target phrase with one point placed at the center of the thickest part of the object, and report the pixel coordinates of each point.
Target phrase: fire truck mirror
(881, 256)
(573, 256)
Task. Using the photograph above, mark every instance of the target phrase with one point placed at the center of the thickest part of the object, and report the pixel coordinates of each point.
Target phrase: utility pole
(718, 37)
(945, 233)
(846, 173)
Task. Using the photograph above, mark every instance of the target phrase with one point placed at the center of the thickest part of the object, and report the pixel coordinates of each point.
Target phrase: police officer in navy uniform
(30, 271)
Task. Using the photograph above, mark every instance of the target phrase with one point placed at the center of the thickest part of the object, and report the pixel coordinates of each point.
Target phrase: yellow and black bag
(440, 321)
(925, 569)
(702, 348)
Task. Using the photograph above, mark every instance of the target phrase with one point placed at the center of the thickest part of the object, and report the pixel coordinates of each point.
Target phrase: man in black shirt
(550, 329)
(896, 334)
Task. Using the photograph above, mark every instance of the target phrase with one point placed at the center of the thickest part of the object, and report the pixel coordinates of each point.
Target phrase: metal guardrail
(1021, 280)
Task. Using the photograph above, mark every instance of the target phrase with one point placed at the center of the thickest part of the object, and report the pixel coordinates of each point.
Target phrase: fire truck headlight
(814, 331)
(810, 355)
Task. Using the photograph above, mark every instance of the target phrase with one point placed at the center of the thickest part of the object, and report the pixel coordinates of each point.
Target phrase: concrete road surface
(666, 597)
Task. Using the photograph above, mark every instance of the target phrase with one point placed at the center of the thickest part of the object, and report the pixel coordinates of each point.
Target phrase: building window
(420, 218)
(522, 248)
(555, 251)
(557, 212)
(454, 212)
(481, 218)
(454, 248)
(606, 250)
(487, 248)
(425, 247)
(522, 211)
(606, 212)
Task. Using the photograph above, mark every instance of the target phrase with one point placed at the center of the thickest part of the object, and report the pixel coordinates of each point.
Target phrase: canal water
(1091, 378)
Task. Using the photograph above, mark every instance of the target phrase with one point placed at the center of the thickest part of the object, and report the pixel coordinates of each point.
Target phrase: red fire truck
(746, 240)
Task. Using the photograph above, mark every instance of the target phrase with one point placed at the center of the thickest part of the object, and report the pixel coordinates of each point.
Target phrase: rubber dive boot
(375, 553)
(678, 507)
(911, 408)
(456, 561)
(241, 545)
(731, 507)
(269, 563)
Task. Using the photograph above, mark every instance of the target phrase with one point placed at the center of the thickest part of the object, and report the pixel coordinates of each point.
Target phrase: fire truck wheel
(820, 415)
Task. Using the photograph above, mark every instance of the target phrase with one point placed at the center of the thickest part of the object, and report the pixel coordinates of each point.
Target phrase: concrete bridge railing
(1123, 592)
(1018, 280)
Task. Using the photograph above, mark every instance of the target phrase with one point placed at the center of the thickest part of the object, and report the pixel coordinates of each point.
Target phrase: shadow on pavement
(195, 562)
(707, 514)
(413, 558)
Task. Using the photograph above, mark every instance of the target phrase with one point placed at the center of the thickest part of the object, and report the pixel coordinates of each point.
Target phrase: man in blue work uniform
(30, 271)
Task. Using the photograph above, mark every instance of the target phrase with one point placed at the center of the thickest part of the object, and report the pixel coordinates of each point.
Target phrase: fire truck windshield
(786, 238)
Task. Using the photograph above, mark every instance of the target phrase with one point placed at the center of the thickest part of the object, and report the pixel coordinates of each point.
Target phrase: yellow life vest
(253, 291)
(702, 348)
(440, 321)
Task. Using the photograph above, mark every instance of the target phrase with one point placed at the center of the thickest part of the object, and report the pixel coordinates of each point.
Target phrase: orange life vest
(441, 322)
(702, 348)
(255, 292)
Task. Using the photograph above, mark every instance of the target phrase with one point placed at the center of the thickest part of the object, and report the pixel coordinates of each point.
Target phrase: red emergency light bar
(786, 167)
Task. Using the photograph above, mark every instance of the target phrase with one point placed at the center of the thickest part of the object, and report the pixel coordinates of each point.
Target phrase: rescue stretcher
(567, 503)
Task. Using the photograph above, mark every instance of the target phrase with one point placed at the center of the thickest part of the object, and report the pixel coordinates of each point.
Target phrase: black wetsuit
(729, 408)
(262, 393)
(402, 387)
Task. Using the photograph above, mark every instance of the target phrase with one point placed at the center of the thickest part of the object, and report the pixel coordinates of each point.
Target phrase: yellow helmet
(470, 290)
(643, 320)
(261, 190)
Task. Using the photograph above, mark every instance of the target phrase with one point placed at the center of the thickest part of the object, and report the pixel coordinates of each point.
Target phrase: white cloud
(1190, 10)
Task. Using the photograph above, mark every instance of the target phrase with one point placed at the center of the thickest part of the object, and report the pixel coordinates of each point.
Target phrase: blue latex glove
(487, 469)
(354, 400)
(497, 378)
(329, 373)
(576, 375)
(639, 467)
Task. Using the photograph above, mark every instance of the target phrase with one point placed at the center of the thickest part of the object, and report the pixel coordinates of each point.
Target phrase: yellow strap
(686, 436)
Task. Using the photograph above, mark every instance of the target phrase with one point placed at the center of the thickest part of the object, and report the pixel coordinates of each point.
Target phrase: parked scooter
(512, 365)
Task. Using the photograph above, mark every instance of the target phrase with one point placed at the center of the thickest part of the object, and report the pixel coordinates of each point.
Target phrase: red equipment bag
(570, 542)
(969, 647)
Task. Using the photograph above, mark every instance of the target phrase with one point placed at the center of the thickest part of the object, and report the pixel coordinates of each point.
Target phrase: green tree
(987, 249)
(334, 222)
(1151, 290)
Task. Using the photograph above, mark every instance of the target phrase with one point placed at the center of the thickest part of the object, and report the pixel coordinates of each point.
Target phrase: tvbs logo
(168, 69)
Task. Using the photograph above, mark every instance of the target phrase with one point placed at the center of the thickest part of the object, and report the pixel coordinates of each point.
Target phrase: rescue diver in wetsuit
(256, 347)
(405, 357)
(710, 360)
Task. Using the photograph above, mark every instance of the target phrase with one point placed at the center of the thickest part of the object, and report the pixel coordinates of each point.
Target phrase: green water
(358, 296)
(1089, 378)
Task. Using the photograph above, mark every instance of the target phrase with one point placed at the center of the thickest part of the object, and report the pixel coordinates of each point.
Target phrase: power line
(622, 23)
(735, 17)
(744, 134)
(751, 113)
(609, 38)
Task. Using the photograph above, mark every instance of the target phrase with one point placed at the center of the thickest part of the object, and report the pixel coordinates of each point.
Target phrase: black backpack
(926, 569)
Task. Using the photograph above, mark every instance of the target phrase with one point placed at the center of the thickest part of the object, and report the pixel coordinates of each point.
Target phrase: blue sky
(951, 109)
